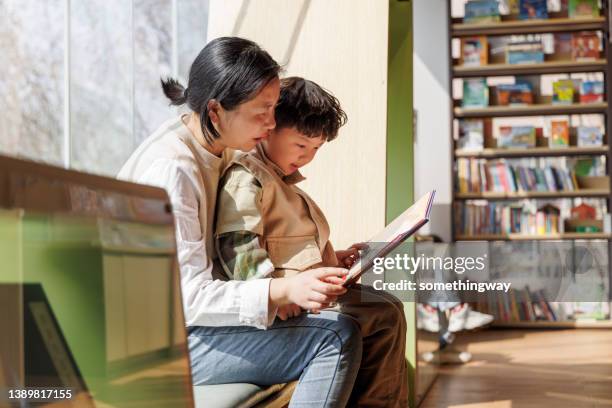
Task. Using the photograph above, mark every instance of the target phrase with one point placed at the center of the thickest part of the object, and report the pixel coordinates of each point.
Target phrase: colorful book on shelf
(496, 218)
(559, 135)
(471, 135)
(516, 137)
(548, 218)
(582, 8)
(531, 9)
(514, 94)
(479, 175)
(514, 306)
(591, 91)
(525, 52)
(563, 44)
(589, 136)
(583, 212)
(474, 51)
(584, 166)
(481, 11)
(535, 304)
(475, 93)
(507, 7)
(527, 308)
(585, 46)
(563, 92)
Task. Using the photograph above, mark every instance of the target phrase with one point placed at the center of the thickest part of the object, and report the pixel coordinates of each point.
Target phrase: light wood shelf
(491, 195)
(523, 237)
(550, 25)
(531, 110)
(534, 152)
(548, 67)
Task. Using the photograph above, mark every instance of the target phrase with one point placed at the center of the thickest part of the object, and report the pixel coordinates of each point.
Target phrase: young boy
(267, 226)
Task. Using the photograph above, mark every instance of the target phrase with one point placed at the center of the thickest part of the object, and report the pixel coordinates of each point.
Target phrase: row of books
(472, 135)
(480, 217)
(527, 305)
(498, 218)
(565, 92)
(478, 175)
(581, 46)
(485, 11)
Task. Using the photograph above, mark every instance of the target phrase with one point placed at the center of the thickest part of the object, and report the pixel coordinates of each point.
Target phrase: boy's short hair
(309, 108)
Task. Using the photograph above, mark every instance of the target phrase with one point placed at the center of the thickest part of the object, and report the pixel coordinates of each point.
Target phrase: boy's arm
(239, 226)
(242, 257)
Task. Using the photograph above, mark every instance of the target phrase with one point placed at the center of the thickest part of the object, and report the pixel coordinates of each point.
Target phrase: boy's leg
(382, 380)
(323, 351)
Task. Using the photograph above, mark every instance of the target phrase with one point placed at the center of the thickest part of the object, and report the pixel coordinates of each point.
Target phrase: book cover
(589, 136)
(531, 9)
(563, 45)
(509, 7)
(559, 136)
(527, 52)
(582, 8)
(481, 11)
(591, 91)
(514, 94)
(563, 92)
(585, 46)
(471, 135)
(474, 51)
(516, 136)
(475, 93)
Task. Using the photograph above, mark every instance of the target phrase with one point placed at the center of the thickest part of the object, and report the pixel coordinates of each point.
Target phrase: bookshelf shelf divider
(519, 27)
(534, 152)
(531, 110)
(548, 67)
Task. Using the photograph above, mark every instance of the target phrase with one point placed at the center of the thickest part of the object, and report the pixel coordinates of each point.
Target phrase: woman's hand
(287, 311)
(311, 290)
(349, 256)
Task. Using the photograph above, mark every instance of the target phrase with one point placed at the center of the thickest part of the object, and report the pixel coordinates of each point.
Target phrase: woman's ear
(213, 111)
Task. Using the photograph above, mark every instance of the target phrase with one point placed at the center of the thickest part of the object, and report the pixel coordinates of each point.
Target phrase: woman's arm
(206, 301)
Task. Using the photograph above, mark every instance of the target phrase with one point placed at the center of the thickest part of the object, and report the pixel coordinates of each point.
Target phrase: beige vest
(295, 231)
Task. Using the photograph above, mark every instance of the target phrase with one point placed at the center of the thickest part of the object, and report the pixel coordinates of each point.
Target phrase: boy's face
(289, 149)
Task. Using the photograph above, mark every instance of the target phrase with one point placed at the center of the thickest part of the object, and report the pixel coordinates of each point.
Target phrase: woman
(232, 92)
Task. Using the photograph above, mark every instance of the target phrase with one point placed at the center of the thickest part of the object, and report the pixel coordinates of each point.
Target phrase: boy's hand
(287, 311)
(349, 256)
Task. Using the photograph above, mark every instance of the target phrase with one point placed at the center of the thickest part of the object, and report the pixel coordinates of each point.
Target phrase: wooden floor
(528, 368)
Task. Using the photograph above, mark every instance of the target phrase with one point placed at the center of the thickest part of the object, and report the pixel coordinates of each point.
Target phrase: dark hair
(309, 108)
(230, 70)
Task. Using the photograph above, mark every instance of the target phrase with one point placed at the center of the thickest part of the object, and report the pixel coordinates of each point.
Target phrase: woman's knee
(348, 333)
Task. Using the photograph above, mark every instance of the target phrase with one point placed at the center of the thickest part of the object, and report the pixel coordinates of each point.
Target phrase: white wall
(342, 45)
(432, 148)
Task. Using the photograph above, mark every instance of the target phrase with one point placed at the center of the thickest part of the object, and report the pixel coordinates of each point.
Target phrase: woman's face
(250, 122)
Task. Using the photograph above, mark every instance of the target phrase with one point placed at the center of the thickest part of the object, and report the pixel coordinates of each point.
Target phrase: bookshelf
(557, 23)
(522, 237)
(547, 67)
(530, 110)
(490, 195)
(510, 27)
(534, 152)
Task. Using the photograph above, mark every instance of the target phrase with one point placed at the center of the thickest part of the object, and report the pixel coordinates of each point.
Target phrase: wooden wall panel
(342, 45)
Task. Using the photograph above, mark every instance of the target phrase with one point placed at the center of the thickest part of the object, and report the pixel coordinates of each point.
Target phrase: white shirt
(173, 159)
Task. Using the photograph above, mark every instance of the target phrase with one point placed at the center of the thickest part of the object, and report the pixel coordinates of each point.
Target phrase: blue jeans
(322, 350)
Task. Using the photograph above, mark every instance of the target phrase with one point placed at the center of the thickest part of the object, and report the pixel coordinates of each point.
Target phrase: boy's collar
(292, 178)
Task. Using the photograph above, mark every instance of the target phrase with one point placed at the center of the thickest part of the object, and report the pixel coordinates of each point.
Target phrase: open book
(394, 234)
